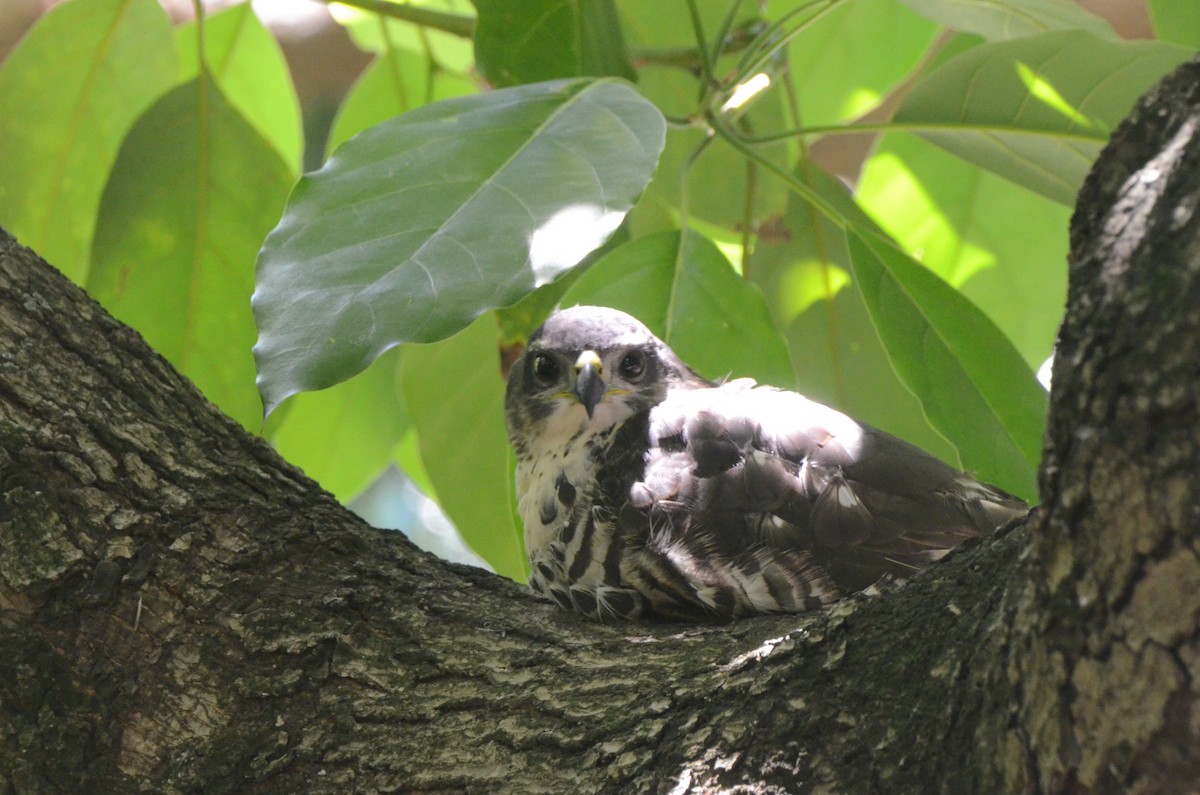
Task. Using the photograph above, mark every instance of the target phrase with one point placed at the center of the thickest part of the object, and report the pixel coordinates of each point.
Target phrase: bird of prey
(649, 491)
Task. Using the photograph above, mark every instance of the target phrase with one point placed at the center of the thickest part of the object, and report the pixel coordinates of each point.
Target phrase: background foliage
(500, 157)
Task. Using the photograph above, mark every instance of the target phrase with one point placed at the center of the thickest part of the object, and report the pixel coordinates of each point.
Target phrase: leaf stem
(758, 52)
(705, 59)
(459, 25)
(808, 194)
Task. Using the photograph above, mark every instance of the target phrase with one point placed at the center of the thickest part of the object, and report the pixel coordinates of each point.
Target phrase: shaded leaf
(455, 398)
(684, 289)
(69, 93)
(193, 192)
(998, 20)
(1036, 110)
(420, 224)
(973, 384)
(537, 40)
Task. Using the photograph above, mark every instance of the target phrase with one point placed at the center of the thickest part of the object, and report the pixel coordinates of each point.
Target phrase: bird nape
(647, 490)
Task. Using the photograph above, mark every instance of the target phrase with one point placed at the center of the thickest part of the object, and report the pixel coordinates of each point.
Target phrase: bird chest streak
(568, 539)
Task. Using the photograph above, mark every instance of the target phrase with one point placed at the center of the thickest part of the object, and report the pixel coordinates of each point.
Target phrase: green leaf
(537, 40)
(684, 289)
(1036, 110)
(999, 20)
(1004, 247)
(397, 81)
(848, 60)
(344, 436)
(1176, 21)
(375, 33)
(193, 192)
(247, 63)
(667, 25)
(69, 93)
(803, 268)
(455, 398)
(420, 224)
(407, 457)
(973, 384)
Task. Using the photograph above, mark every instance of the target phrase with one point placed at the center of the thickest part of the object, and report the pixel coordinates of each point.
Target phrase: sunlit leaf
(1003, 246)
(69, 93)
(683, 288)
(247, 63)
(804, 270)
(455, 398)
(1036, 110)
(193, 192)
(378, 33)
(973, 384)
(545, 39)
(420, 224)
(852, 56)
(998, 20)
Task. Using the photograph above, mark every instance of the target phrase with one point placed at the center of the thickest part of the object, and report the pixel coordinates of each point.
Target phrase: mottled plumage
(648, 490)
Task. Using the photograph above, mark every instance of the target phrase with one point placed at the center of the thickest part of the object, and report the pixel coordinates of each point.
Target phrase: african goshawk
(647, 490)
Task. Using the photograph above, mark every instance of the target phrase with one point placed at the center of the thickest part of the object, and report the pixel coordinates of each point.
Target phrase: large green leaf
(69, 93)
(1036, 110)
(543, 39)
(1003, 246)
(247, 63)
(1176, 21)
(803, 268)
(852, 56)
(999, 20)
(345, 436)
(973, 384)
(397, 81)
(420, 224)
(193, 192)
(455, 399)
(684, 289)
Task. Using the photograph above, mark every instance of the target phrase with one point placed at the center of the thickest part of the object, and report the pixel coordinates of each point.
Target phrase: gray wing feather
(747, 471)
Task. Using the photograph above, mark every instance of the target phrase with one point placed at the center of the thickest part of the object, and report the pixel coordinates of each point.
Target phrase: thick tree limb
(180, 610)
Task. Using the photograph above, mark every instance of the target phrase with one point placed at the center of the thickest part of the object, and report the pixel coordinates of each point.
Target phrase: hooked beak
(589, 386)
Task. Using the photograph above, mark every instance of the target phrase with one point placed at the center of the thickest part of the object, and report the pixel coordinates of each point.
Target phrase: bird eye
(633, 364)
(545, 369)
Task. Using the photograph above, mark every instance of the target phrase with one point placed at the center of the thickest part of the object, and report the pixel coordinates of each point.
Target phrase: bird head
(585, 370)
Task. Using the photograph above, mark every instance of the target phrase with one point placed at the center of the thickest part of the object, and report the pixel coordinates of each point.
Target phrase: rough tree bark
(181, 611)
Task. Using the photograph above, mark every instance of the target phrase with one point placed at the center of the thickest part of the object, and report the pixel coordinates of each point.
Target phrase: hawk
(647, 490)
